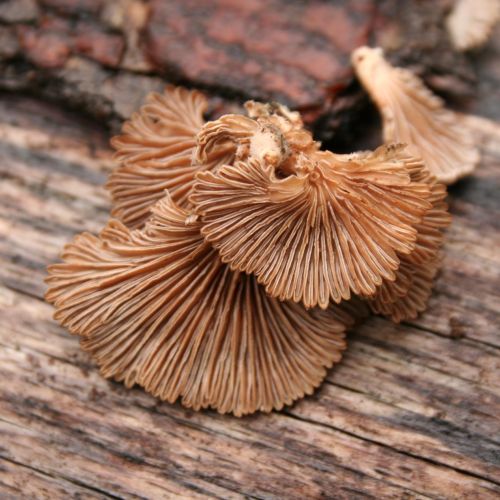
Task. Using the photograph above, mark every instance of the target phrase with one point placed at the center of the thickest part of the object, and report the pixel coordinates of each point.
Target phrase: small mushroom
(155, 152)
(156, 307)
(334, 227)
(413, 115)
(471, 22)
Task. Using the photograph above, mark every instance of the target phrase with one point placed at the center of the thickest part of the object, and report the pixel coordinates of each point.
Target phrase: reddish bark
(103, 56)
(289, 51)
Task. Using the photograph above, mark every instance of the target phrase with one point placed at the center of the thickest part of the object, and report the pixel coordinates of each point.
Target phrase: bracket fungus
(155, 152)
(315, 236)
(239, 253)
(411, 114)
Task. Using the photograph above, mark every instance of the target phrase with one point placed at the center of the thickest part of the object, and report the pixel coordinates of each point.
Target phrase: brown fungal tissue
(239, 253)
(157, 308)
(413, 115)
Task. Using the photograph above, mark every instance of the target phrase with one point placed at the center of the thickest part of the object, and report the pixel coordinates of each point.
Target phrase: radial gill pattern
(407, 295)
(155, 153)
(413, 115)
(157, 308)
(334, 228)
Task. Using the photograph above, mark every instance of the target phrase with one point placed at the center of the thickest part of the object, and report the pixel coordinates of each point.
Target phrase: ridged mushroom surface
(407, 296)
(418, 283)
(271, 134)
(334, 227)
(411, 114)
(155, 153)
(156, 307)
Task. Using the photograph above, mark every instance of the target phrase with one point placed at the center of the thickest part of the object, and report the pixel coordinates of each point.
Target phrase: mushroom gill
(336, 226)
(407, 295)
(417, 283)
(471, 22)
(156, 307)
(413, 115)
(155, 152)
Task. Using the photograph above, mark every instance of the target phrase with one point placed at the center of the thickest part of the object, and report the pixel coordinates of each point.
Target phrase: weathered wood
(411, 412)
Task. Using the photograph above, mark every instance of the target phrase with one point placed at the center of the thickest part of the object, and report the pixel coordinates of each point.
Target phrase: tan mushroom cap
(414, 301)
(471, 22)
(334, 227)
(406, 296)
(413, 115)
(155, 153)
(157, 308)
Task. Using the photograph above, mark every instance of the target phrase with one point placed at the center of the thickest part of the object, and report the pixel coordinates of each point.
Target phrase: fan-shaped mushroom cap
(471, 22)
(156, 307)
(418, 281)
(407, 295)
(333, 228)
(155, 153)
(413, 115)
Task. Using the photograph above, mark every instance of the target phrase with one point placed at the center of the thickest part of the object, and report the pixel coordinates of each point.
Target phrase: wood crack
(397, 450)
(63, 477)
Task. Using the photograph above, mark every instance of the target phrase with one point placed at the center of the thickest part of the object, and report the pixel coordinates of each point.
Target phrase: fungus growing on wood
(471, 22)
(331, 229)
(413, 115)
(407, 296)
(234, 291)
(155, 153)
(157, 308)
(271, 133)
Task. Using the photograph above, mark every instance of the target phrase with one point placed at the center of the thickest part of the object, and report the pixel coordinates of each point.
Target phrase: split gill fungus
(411, 114)
(239, 253)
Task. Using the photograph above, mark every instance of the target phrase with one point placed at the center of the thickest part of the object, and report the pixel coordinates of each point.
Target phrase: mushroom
(333, 228)
(417, 287)
(471, 22)
(156, 149)
(156, 307)
(271, 133)
(407, 295)
(231, 233)
(413, 115)
(155, 152)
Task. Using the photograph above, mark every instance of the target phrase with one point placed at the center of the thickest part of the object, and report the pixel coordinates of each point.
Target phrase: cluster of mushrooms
(239, 251)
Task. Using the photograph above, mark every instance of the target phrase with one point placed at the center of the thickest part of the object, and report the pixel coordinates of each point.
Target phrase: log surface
(413, 410)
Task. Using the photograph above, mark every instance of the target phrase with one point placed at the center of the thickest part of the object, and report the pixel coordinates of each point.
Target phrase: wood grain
(412, 411)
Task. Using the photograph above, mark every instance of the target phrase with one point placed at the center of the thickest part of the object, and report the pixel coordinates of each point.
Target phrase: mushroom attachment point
(413, 115)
